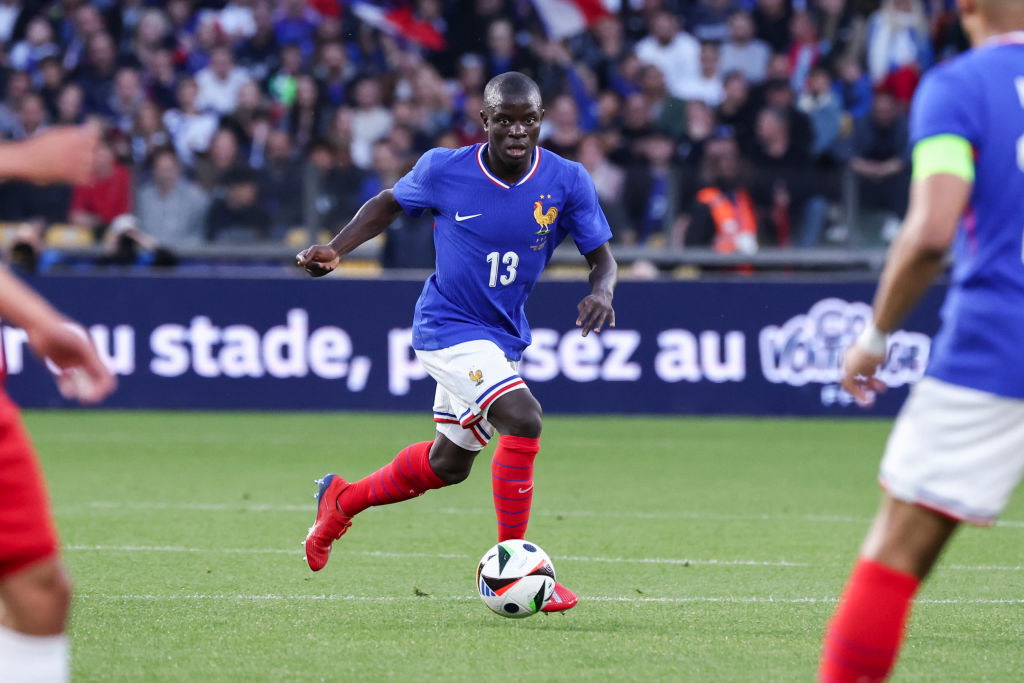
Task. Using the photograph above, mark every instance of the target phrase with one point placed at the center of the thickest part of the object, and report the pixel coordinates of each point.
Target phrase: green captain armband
(944, 154)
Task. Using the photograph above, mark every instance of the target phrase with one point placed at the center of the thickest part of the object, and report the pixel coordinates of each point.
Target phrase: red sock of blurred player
(864, 636)
(407, 476)
(512, 481)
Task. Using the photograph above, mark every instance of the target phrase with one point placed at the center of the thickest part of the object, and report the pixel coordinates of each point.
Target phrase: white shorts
(470, 376)
(955, 450)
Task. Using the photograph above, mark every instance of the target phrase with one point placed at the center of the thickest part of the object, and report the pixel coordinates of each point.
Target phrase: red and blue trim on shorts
(469, 418)
(476, 429)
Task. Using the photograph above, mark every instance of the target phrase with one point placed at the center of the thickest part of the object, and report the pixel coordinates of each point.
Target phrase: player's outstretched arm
(63, 154)
(83, 376)
(596, 308)
(917, 256)
(372, 219)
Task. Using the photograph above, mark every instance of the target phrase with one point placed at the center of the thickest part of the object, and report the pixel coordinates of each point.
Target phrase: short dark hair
(511, 85)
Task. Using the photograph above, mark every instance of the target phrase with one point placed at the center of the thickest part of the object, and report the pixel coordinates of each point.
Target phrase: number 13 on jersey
(510, 260)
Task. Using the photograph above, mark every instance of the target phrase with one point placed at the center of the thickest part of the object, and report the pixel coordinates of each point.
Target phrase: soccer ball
(515, 578)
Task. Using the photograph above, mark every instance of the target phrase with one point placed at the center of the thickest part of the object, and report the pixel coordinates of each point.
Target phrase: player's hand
(318, 260)
(595, 311)
(82, 375)
(63, 154)
(859, 369)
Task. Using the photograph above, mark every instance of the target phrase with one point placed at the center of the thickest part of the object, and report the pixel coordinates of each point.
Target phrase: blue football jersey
(979, 96)
(493, 240)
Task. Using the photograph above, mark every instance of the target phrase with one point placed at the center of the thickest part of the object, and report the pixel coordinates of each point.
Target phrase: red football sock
(407, 476)
(864, 636)
(512, 481)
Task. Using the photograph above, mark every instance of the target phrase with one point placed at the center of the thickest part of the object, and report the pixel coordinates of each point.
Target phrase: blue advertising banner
(728, 347)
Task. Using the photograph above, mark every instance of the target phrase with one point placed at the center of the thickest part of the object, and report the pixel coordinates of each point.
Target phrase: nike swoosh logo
(459, 219)
(527, 489)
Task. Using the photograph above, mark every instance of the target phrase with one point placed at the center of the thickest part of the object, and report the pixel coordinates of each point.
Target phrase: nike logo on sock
(459, 219)
(527, 489)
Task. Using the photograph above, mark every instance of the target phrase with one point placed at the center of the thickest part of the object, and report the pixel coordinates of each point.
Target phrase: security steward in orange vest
(723, 214)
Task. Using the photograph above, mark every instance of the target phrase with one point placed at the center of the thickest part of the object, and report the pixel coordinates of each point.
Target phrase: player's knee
(451, 471)
(527, 423)
(39, 605)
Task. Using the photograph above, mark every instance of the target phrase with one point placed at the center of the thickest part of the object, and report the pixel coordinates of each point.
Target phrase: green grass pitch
(702, 550)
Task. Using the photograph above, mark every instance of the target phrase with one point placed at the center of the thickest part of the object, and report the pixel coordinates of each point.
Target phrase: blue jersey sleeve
(415, 191)
(946, 103)
(583, 218)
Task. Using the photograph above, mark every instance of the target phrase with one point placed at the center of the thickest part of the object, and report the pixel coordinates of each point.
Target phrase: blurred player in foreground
(956, 451)
(500, 209)
(34, 590)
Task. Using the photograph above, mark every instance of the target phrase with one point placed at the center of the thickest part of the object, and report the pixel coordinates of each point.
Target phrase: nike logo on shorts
(459, 219)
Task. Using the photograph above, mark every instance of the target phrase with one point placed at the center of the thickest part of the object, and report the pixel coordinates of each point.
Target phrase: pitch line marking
(681, 561)
(456, 556)
(269, 507)
(583, 600)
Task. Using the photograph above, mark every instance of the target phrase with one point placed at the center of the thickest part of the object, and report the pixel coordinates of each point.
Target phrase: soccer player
(500, 208)
(34, 590)
(956, 451)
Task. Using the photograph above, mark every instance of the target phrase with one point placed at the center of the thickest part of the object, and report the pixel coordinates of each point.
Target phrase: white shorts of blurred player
(957, 451)
(470, 377)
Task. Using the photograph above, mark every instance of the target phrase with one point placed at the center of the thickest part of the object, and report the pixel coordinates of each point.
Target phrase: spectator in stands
(97, 75)
(371, 120)
(668, 113)
(87, 23)
(779, 96)
(675, 52)
(385, 170)
(220, 82)
(259, 54)
(31, 117)
(283, 82)
(51, 80)
(169, 207)
(306, 118)
(152, 35)
(822, 107)
(281, 183)
(708, 20)
(236, 20)
(723, 214)
(10, 13)
(201, 45)
(609, 180)
(236, 216)
(190, 129)
(652, 192)
(126, 100)
(106, 196)
(70, 105)
(898, 46)
(805, 49)
(706, 86)
(853, 87)
(880, 160)
(771, 17)
(841, 29)
(502, 54)
(223, 157)
(743, 52)
(333, 73)
(611, 50)
(161, 79)
(331, 184)
(38, 44)
(18, 85)
(738, 111)
(147, 133)
(560, 132)
(785, 187)
(295, 24)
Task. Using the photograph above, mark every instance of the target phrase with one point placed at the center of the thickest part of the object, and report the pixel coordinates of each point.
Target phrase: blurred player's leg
(33, 646)
(865, 634)
(34, 590)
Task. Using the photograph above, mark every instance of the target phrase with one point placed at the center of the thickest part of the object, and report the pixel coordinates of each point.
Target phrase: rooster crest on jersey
(544, 218)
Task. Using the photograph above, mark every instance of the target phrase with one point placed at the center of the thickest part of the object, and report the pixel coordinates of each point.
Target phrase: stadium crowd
(725, 123)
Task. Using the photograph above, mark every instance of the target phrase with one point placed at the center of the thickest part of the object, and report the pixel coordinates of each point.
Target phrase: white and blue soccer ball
(515, 578)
